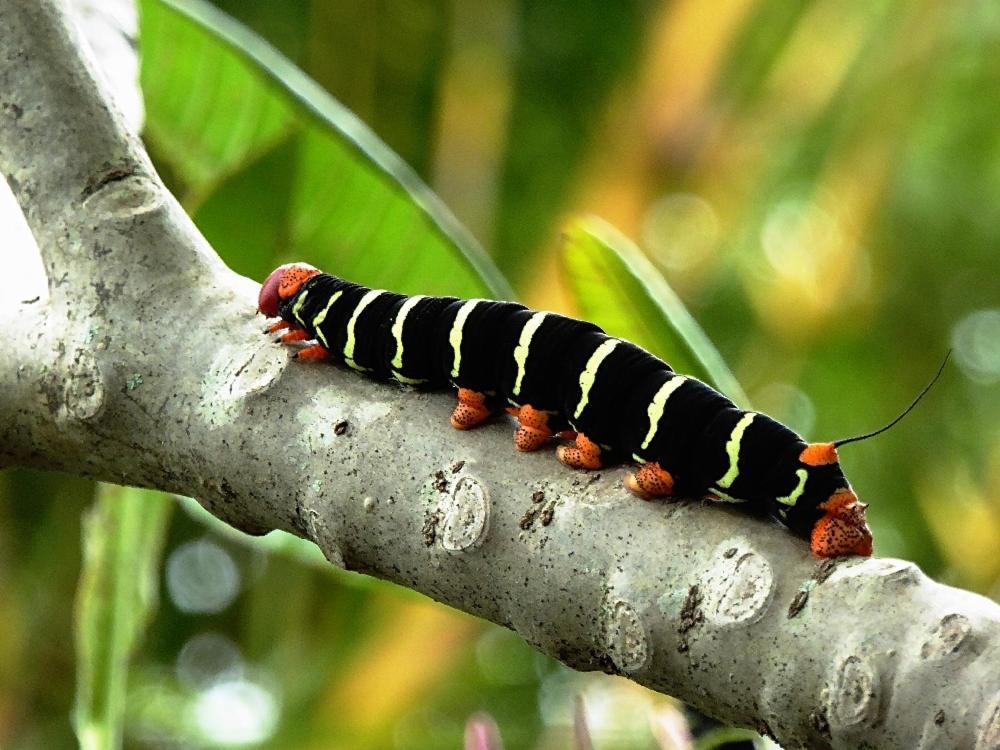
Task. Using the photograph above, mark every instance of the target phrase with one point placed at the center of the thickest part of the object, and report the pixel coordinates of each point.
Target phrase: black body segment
(536, 370)
(475, 346)
(413, 340)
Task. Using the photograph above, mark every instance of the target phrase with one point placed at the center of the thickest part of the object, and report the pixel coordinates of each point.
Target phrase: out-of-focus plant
(482, 733)
(122, 541)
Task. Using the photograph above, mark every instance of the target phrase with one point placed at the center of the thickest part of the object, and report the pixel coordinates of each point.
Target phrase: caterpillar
(610, 399)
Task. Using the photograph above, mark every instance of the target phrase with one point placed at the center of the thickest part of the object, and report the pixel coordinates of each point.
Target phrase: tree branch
(146, 365)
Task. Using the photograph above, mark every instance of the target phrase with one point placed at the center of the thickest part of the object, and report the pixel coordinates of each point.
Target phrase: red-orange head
(842, 530)
(283, 283)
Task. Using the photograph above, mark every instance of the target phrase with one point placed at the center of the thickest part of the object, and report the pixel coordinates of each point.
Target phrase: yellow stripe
(318, 320)
(455, 336)
(793, 498)
(397, 330)
(589, 374)
(720, 495)
(297, 307)
(733, 450)
(407, 381)
(523, 344)
(658, 404)
(369, 297)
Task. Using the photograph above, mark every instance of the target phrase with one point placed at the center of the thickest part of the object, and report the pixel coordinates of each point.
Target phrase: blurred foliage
(816, 179)
(569, 57)
(122, 546)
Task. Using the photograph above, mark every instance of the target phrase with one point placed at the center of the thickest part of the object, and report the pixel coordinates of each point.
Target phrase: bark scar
(113, 174)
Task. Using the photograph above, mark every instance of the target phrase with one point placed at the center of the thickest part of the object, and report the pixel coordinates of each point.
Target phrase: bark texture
(145, 364)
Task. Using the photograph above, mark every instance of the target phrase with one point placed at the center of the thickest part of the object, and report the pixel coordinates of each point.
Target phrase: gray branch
(145, 364)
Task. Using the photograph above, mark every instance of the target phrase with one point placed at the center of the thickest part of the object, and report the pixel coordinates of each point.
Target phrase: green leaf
(122, 543)
(247, 137)
(618, 288)
(384, 61)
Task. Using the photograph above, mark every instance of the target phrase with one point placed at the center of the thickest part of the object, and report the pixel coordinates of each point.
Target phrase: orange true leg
(296, 335)
(584, 454)
(652, 480)
(279, 325)
(314, 352)
(533, 431)
(471, 409)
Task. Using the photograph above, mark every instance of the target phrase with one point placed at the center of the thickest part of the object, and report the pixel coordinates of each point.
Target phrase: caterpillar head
(842, 530)
(838, 525)
(283, 283)
(837, 516)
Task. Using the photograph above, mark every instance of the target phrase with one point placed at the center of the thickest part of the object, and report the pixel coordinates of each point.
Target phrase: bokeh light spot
(208, 658)
(812, 267)
(681, 231)
(976, 339)
(797, 237)
(239, 712)
(202, 577)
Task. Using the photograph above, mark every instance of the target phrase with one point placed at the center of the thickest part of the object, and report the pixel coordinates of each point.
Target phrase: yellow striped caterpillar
(559, 376)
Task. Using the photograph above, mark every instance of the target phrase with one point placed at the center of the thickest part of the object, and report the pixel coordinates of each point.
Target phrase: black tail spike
(907, 410)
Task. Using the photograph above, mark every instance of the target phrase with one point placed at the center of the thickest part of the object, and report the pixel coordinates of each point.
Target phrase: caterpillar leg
(470, 410)
(294, 335)
(533, 431)
(311, 353)
(584, 454)
(651, 481)
(278, 325)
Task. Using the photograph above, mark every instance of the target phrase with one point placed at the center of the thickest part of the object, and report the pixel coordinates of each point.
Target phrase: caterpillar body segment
(561, 376)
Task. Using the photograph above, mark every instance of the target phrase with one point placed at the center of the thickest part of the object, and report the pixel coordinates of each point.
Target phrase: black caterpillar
(615, 400)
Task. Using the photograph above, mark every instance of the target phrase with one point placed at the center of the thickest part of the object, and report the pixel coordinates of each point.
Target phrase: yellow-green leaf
(618, 288)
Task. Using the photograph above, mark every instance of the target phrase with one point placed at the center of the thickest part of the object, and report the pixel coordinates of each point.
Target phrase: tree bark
(145, 364)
